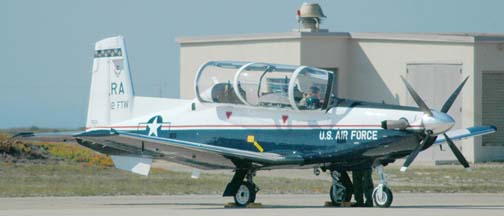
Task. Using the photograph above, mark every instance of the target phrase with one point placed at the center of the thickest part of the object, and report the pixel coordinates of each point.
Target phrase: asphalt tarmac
(285, 204)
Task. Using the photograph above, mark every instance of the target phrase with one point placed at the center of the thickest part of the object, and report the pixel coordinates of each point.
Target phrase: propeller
(429, 139)
(453, 96)
(417, 98)
(457, 152)
(413, 155)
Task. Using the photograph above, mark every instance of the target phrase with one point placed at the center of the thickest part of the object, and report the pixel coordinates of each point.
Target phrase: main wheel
(337, 194)
(246, 194)
(382, 196)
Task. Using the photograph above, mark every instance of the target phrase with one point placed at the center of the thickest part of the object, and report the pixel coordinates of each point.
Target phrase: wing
(460, 134)
(199, 155)
(134, 152)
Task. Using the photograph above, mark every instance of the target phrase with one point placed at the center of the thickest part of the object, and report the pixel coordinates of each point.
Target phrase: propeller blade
(417, 98)
(430, 140)
(456, 151)
(413, 155)
(453, 96)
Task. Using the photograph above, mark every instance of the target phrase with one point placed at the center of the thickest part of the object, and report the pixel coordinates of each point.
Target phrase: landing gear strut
(242, 188)
(382, 195)
(337, 191)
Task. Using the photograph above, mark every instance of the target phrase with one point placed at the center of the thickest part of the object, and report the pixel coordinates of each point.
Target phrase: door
(493, 106)
(435, 83)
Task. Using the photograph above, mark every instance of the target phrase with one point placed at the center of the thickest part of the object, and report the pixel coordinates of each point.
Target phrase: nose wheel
(382, 195)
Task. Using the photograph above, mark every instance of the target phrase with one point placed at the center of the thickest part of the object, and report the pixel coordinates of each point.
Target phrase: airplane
(251, 116)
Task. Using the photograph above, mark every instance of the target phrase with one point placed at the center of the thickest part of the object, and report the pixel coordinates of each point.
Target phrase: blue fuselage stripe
(273, 140)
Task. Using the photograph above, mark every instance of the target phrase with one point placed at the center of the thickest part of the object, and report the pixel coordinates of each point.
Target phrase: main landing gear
(382, 195)
(242, 188)
(338, 191)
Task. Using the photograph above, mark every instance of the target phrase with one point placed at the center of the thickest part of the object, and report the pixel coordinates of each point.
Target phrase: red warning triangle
(228, 114)
(284, 118)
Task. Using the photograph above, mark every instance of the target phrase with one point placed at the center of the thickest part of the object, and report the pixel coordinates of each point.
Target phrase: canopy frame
(243, 66)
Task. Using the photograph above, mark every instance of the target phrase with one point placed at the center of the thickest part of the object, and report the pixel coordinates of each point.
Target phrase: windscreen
(310, 90)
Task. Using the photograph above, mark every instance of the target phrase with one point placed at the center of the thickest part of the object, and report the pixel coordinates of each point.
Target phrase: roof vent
(309, 17)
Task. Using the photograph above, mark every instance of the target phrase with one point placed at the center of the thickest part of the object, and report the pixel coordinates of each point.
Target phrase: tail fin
(111, 96)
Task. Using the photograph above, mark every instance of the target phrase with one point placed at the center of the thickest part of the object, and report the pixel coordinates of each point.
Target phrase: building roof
(259, 37)
(426, 37)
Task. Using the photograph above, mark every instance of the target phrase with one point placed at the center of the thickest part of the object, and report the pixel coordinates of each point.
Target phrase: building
(368, 67)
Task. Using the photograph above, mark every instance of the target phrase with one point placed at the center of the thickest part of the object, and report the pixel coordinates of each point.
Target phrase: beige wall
(193, 55)
(368, 69)
(328, 52)
(488, 57)
(376, 67)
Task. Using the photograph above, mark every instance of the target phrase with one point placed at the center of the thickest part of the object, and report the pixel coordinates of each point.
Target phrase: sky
(46, 47)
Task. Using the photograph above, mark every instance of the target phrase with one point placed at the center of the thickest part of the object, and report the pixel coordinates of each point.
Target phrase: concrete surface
(286, 204)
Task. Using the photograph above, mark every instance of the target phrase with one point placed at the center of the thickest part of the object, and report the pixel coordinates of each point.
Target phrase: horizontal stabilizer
(138, 165)
(67, 136)
(459, 134)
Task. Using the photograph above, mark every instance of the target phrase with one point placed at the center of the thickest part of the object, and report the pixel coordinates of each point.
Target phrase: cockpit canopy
(263, 84)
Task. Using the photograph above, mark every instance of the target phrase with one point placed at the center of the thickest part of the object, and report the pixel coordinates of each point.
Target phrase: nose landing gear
(382, 195)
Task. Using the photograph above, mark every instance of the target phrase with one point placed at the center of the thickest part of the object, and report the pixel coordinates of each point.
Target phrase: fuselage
(353, 128)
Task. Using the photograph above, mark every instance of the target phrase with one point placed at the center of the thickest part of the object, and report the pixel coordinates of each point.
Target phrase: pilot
(313, 99)
(363, 185)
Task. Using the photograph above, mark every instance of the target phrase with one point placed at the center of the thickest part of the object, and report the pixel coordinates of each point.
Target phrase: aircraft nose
(438, 123)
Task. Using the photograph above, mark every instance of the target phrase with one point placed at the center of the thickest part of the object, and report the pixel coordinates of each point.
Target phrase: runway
(286, 204)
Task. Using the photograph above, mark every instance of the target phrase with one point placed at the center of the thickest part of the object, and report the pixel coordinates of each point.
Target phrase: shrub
(52, 150)
(77, 153)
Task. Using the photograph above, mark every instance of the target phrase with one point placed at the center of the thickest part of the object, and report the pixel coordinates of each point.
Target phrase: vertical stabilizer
(111, 95)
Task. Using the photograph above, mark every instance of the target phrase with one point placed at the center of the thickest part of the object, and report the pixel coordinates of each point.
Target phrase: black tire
(335, 199)
(255, 193)
(246, 194)
(384, 200)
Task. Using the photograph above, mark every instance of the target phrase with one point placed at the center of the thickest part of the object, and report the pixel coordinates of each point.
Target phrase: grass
(484, 178)
(78, 179)
(73, 179)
